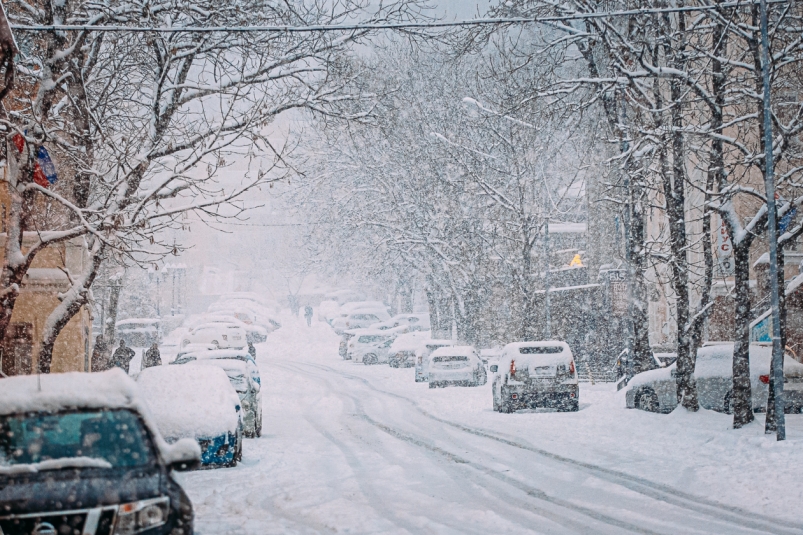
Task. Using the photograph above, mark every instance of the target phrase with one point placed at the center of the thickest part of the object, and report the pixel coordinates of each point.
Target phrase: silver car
(656, 390)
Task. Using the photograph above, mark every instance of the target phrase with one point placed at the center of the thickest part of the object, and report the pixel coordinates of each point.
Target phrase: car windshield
(370, 339)
(450, 358)
(183, 360)
(114, 436)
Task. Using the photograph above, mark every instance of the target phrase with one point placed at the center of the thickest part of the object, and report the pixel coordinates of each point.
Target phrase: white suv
(370, 346)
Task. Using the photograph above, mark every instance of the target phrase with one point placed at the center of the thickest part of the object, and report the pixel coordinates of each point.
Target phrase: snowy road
(356, 449)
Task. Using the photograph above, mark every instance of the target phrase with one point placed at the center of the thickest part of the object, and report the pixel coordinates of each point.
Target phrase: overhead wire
(390, 25)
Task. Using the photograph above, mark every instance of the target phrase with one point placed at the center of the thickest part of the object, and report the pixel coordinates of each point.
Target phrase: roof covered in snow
(62, 391)
(462, 351)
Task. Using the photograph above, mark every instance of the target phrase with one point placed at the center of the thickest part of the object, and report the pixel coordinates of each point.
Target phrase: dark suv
(88, 470)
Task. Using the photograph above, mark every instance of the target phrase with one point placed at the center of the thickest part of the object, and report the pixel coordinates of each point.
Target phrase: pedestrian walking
(100, 355)
(152, 357)
(122, 356)
(252, 350)
(308, 315)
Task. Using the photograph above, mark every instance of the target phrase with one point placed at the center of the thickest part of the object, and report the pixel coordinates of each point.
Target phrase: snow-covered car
(361, 318)
(223, 335)
(456, 365)
(138, 332)
(417, 322)
(401, 353)
(369, 346)
(254, 333)
(327, 311)
(81, 453)
(422, 356)
(656, 390)
(535, 374)
(196, 402)
(244, 377)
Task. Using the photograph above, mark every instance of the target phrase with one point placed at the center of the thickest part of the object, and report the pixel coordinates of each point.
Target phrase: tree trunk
(742, 393)
(111, 314)
(771, 421)
(70, 305)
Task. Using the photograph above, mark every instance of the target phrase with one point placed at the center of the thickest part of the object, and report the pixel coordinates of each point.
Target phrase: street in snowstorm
(401, 266)
(363, 449)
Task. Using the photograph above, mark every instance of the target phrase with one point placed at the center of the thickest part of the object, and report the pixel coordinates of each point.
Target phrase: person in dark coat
(152, 357)
(100, 355)
(122, 356)
(308, 315)
(252, 350)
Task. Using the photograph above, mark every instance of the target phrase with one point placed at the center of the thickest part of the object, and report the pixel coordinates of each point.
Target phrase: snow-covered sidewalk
(365, 449)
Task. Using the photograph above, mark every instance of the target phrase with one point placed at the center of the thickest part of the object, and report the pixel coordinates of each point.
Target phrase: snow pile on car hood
(190, 401)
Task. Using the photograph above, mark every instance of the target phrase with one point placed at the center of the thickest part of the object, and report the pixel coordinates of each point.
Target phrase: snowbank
(190, 401)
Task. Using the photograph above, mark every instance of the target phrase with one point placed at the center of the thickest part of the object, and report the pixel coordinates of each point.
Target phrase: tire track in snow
(564, 520)
(653, 490)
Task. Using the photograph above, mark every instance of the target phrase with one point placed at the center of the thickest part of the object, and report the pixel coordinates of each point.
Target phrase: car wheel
(573, 405)
(495, 403)
(648, 401)
(370, 359)
(433, 384)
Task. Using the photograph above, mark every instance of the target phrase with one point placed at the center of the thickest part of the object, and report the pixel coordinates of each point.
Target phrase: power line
(389, 25)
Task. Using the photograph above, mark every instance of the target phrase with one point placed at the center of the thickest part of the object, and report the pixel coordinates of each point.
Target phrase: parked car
(223, 335)
(254, 332)
(369, 346)
(81, 454)
(422, 356)
(456, 365)
(656, 390)
(196, 402)
(361, 318)
(138, 332)
(243, 374)
(535, 374)
(401, 353)
(338, 321)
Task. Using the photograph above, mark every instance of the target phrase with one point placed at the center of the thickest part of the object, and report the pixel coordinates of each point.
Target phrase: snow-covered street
(364, 449)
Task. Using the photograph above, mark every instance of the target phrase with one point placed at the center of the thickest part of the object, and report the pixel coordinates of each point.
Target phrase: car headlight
(138, 516)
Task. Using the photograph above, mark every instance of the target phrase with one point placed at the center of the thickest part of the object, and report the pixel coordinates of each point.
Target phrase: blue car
(196, 402)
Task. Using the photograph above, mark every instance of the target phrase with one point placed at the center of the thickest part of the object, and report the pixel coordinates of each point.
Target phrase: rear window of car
(451, 358)
(541, 350)
(364, 317)
(370, 339)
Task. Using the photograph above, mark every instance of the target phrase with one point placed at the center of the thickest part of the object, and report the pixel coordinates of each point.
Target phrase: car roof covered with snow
(454, 351)
(54, 392)
(190, 401)
(409, 341)
(237, 354)
(537, 352)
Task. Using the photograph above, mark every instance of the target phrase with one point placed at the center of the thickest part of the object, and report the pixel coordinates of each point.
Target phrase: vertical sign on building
(725, 265)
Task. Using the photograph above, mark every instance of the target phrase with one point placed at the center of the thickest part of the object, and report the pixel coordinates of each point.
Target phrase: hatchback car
(223, 335)
(401, 353)
(656, 390)
(422, 357)
(456, 365)
(81, 454)
(535, 374)
(196, 402)
(369, 346)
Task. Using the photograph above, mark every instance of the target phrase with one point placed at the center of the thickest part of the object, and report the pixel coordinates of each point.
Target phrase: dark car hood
(69, 489)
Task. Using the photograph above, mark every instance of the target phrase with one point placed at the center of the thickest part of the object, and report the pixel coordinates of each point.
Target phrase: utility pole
(769, 187)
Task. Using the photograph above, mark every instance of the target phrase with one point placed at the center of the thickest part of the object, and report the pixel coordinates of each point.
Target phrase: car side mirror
(494, 367)
(185, 454)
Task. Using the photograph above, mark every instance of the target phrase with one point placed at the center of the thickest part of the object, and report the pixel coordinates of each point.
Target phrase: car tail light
(571, 367)
(764, 379)
(514, 396)
(512, 367)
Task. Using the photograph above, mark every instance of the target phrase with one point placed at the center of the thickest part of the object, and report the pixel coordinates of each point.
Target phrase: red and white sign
(725, 265)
